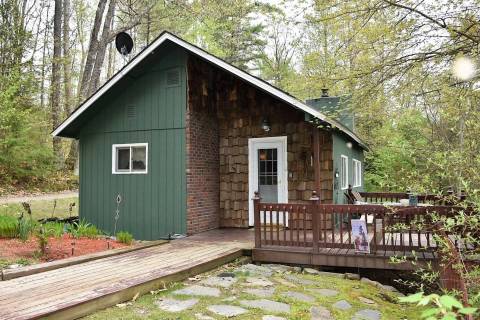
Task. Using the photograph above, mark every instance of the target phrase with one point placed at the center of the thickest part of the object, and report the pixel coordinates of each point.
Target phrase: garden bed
(16, 251)
(58, 248)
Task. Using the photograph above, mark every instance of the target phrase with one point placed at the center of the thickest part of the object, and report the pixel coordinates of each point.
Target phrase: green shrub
(54, 229)
(83, 229)
(25, 228)
(124, 237)
(8, 227)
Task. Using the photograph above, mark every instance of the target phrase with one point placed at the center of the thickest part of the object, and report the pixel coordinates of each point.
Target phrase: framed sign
(360, 236)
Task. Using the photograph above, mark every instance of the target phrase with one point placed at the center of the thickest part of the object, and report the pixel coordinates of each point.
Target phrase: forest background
(393, 58)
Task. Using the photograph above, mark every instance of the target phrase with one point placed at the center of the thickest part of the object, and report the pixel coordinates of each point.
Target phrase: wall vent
(131, 112)
(173, 78)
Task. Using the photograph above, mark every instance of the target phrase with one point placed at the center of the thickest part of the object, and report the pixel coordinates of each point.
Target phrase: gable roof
(255, 81)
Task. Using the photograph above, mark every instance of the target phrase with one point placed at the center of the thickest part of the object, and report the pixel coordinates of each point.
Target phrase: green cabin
(179, 140)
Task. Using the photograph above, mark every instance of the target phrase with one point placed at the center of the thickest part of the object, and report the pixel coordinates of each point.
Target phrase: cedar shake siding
(230, 112)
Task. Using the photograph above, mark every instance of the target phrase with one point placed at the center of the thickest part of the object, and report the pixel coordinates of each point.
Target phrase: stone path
(274, 291)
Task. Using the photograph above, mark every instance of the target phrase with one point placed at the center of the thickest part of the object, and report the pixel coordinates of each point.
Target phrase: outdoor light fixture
(349, 145)
(265, 125)
(336, 174)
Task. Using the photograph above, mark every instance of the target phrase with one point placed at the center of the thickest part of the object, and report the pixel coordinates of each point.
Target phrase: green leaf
(449, 316)
(468, 310)
(450, 302)
(412, 298)
(430, 312)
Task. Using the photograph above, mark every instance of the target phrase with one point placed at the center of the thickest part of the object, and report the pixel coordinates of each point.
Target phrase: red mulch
(57, 248)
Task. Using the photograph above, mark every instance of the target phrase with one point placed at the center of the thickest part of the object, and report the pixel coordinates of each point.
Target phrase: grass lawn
(43, 208)
(350, 290)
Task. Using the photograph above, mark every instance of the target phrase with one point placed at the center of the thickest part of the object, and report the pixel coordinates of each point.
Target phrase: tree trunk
(44, 59)
(56, 86)
(101, 49)
(92, 51)
(67, 80)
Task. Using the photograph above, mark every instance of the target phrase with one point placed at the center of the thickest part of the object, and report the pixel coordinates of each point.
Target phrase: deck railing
(437, 199)
(315, 226)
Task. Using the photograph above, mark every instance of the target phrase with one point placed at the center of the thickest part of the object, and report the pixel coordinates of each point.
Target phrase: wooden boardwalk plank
(77, 290)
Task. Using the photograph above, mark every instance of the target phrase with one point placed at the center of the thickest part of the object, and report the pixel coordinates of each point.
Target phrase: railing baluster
(271, 224)
(265, 224)
(277, 220)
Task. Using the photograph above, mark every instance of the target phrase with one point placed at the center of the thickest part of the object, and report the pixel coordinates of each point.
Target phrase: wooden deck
(321, 234)
(74, 291)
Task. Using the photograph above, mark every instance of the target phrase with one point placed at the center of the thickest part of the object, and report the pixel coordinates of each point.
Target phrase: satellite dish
(124, 43)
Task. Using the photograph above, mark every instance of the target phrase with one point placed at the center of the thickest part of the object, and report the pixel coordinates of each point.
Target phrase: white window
(130, 158)
(357, 173)
(344, 173)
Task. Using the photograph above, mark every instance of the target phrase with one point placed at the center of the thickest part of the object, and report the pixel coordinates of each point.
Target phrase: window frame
(343, 187)
(115, 147)
(357, 173)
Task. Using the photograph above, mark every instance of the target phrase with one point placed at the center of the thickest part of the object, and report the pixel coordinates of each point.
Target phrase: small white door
(267, 170)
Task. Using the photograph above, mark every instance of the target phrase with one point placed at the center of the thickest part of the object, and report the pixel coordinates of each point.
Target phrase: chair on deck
(354, 196)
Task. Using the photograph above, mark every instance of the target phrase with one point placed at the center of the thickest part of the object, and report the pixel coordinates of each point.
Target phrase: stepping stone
(371, 282)
(342, 305)
(224, 282)
(201, 316)
(226, 275)
(258, 282)
(367, 314)
(255, 270)
(266, 305)
(262, 293)
(173, 305)
(389, 288)
(311, 271)
(331, 274)
(197, 290)
(299, 280)
(268, 317)
(279, 268)
(285, 282)
(352, 276)
(366, 300)
(320, 313)
(230, 299)
(325, 292)
(227, 310)
(298, 296)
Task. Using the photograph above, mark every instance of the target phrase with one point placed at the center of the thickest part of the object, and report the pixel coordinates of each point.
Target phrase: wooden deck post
(257, 224)
(316, 160)
(315, 212)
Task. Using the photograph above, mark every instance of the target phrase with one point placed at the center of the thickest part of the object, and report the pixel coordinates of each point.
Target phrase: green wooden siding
(340, 148)
(153, 204)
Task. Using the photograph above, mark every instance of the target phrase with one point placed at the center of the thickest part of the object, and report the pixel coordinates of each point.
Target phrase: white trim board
(214, 60)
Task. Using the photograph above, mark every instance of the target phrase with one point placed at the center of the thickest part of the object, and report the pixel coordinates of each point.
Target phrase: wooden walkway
(74, 291)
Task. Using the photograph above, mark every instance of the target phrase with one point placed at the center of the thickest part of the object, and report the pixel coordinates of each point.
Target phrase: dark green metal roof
(336, 107)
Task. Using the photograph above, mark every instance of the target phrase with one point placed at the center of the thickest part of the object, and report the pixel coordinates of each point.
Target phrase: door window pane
(267, 175)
